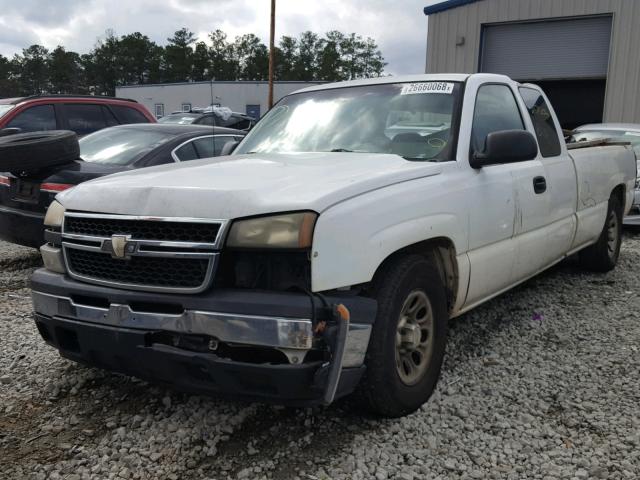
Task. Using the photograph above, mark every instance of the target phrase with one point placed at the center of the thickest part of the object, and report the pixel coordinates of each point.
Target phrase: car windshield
(413, 120)
(179, 119)
(617, 135)
(120, 146)
(4, 108)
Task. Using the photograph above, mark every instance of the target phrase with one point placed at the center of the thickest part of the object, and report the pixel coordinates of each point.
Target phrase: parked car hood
(243, 185)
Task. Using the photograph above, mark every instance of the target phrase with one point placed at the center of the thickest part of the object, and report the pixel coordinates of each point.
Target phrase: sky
(398, 26)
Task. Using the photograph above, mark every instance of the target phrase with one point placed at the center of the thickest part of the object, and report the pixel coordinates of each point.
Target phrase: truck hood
(244, 185)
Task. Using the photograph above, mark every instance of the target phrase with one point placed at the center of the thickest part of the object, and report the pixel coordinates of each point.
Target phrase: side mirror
(9, 131)
(506, 146)
(228, 148)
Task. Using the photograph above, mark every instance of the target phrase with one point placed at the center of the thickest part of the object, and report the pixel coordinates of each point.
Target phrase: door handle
(539, 185)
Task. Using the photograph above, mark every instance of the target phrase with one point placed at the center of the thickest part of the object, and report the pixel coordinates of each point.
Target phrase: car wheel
(408, 340)
(603, 255)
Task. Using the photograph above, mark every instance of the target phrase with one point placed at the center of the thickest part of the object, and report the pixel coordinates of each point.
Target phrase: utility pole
(272, 52)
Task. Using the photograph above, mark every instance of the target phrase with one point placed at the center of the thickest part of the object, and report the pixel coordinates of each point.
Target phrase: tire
(387, 388)
(30, 152)
(603, 255)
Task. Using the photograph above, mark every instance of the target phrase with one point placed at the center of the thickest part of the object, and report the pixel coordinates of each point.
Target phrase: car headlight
(290, 230)
(55, 215)
(52, 252)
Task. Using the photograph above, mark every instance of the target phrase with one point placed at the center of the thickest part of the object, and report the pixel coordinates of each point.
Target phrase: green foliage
(134, 59)
(178, 56)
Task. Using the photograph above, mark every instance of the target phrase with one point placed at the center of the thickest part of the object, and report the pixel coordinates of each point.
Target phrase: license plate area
(24, 190)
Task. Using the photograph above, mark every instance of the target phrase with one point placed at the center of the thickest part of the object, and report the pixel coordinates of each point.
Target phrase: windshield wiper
(340, 150)
(419, 159)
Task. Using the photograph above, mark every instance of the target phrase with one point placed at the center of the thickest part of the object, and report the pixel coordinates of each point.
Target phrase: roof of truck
(435, 77)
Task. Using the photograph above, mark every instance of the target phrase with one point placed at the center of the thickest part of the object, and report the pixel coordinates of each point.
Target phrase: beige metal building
(584, 53)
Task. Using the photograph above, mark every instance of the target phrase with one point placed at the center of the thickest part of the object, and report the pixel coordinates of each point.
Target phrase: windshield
(179, 119)
(120, 146)
(5, 108)
(409, 119)
(616, 135)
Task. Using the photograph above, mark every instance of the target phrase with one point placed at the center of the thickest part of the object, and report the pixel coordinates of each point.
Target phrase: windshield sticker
(427, 87)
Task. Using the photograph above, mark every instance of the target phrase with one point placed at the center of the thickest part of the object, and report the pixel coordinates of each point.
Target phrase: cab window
(542, 120)
(496, 109)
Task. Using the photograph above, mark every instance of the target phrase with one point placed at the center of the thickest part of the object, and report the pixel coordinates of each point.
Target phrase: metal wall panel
(622, 103)
(577, 48)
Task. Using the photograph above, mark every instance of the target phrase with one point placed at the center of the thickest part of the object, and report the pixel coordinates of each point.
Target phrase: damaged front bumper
(265, 345)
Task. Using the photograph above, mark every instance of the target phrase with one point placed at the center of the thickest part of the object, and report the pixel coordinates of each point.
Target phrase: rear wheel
(408, 339)
(603, 255)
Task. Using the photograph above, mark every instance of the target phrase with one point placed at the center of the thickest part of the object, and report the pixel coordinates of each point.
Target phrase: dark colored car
(80, 114)
(24, 200)
(236, 120)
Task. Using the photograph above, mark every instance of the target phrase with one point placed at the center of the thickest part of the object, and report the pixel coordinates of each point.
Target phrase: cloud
(399, 28)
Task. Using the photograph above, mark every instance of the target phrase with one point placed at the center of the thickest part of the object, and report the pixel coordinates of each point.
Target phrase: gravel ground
(539, 383)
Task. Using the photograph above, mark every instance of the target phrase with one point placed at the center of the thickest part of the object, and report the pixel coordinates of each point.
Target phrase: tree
(34, 70)
(103, 65)
(8, 85)
(201, 63)
(306, 61)
(371, 61)
(137, 57)
(252, 57)
(224, 65)
(330, 67)
(66, 74)
(286, 56)
(178, 56)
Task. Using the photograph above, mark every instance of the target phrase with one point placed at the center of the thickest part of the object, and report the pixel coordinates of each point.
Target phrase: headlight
(291, 230)
(55, 215)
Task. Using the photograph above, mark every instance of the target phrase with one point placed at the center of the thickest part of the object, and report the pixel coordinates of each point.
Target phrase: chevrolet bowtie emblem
(119, 246)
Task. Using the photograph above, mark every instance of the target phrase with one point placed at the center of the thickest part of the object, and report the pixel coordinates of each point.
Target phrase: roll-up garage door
(553, 49)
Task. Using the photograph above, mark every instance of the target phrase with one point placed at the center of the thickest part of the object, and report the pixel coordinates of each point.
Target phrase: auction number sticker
(427, 87)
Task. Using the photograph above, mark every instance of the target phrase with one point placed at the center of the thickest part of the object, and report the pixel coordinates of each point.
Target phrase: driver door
(492, 210)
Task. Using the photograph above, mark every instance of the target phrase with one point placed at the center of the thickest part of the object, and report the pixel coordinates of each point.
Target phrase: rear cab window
(543, 124)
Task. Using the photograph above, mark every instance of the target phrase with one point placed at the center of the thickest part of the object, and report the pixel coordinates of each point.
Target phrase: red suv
(81, 114)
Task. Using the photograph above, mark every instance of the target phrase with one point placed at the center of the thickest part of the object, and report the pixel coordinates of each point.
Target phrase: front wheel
(408, 339)
(603, 255)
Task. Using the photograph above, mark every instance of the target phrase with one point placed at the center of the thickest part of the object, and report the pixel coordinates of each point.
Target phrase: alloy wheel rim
(414, 338)
(612, 234)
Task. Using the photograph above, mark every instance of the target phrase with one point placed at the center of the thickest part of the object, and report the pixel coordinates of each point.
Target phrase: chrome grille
(155, 254)
(143, 229)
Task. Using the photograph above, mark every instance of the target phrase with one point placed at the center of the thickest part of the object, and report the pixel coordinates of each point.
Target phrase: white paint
(372, 205)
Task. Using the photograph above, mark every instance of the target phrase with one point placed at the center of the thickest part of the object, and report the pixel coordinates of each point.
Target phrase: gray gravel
(539, 383)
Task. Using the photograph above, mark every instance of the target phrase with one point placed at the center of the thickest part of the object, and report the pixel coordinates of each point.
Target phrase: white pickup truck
(327, 254)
